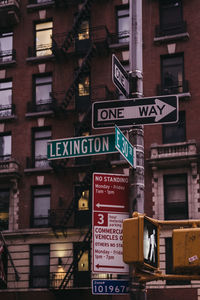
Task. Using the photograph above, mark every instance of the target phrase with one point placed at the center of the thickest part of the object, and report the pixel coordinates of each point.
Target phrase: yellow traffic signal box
(186, 250)
(141, 241)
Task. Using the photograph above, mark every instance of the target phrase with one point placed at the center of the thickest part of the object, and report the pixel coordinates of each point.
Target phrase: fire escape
(65, 47)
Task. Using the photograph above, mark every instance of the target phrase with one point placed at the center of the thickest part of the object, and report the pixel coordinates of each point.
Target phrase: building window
(83, 202)
(169, 264)
(4, 208)
(172, 74)
(84, 32)
(83, 101)
(40, 148)
(42, 91)
(83, 205)
(84, 86)
(175, 197)
(5, 147)
(6, 46)
(41, 204)
(5, 98)
(43, 41)
(39, 266)
(175, 133)
(171, 17)
(82, 274)
(123, 24)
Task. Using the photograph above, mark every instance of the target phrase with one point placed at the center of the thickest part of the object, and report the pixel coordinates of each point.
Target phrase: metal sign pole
(136, 135)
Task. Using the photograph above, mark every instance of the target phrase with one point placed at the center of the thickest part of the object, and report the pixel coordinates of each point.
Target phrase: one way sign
(154, 110)
(120, 77)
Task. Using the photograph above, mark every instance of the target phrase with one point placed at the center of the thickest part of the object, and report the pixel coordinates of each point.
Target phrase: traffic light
(141, 241)
(186, 250)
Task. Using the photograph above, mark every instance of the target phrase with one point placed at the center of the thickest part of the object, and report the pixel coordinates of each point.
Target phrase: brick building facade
(55, 61)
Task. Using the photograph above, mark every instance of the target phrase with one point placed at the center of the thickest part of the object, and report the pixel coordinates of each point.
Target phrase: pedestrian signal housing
(141, 241)
(186, 250)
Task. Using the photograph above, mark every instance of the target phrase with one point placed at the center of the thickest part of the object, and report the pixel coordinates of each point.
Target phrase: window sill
(119, 46)
(184, 96)
(171, 38)
(39, 114)
(7, 63)
(36, 170)
(7, 118)
(37, 59)
(37, 6)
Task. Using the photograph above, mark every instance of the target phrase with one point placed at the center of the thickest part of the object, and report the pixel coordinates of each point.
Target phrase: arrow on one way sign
(152, 110)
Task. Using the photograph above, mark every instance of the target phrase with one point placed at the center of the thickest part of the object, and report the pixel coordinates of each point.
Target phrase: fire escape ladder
(72, 267)
(79, 18)
(59, 165)
(84, 67)
(65, 219)
(17, 278)
(62, 222)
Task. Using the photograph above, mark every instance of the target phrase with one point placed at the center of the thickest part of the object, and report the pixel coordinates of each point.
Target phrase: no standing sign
(110, 207)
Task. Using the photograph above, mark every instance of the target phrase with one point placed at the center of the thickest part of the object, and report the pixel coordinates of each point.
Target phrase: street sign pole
(136, 134)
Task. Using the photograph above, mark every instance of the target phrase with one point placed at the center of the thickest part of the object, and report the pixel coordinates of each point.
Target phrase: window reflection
(84, 31)
(41, 198)
(43, 38)
(6, 46)
(5, 98)
(40, 255)
(83, 264)
(41, 138)
(43, 89)
(83, 202)
(83, 86)
(5, 147)
(172, 74)
(123, 25)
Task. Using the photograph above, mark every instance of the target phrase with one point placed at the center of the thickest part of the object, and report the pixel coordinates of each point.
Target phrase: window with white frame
(43, 40)
(41, 205)
(6, 46)
(42, 91)
(5, 146)
(123, 24)
(172, 74)
(40, 139)
(5, 98)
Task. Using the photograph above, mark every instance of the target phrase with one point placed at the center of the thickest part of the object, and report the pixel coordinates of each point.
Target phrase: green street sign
(81, 146)
(125, 147)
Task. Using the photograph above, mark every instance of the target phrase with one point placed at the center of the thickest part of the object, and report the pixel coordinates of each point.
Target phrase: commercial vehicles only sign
(110, 208)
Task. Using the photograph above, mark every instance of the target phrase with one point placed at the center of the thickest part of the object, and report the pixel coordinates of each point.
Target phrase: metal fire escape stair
(73, 265)
(62, 224)
(83, 68)
(85, 10)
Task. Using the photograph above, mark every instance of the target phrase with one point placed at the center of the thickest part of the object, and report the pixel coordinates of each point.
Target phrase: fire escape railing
(80, 16)
(84, 67)
(59, 219)
(72, 267)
